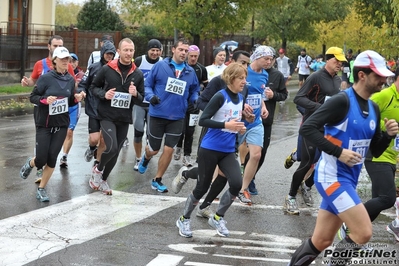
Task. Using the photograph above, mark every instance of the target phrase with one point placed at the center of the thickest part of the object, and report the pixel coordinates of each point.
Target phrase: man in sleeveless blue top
(352, 127)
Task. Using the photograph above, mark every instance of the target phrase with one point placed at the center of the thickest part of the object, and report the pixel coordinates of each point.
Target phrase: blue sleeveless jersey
(354, 132)
(256, 83)
(221, 139)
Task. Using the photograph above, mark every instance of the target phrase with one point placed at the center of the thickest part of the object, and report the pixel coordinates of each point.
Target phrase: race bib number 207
(59, 106)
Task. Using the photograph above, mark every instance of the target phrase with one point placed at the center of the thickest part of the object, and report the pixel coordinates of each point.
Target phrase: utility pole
(175, 30)
(252, 30)
(23, 37)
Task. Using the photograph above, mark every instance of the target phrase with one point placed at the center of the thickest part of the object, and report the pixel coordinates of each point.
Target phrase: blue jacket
(172, 106)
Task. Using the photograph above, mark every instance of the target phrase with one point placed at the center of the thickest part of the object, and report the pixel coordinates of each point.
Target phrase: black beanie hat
(154, 43)
(216, 51)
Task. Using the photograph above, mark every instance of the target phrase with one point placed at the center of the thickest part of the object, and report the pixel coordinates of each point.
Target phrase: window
(15, 17)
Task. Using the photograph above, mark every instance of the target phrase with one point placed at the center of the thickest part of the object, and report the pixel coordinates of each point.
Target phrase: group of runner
(162, 99)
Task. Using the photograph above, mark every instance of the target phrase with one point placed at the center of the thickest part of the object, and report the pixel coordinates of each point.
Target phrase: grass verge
(14, 89)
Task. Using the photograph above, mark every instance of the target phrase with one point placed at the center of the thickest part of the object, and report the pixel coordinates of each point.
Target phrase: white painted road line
(165, 260)
(29, 236)
(272, 245)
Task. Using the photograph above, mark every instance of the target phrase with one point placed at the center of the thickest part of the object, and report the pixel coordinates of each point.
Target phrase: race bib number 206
(121, 100)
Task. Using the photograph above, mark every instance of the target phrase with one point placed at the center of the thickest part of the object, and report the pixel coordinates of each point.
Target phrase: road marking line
(191, 263)
(29, 236)
(165, 260)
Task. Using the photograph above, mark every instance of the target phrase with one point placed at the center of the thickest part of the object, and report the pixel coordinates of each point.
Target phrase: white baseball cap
(61, 52)
(374, 61)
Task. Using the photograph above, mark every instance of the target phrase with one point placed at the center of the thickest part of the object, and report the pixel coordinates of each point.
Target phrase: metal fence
(82, 43)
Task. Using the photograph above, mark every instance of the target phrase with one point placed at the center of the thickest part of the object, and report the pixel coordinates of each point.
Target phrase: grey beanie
(216, 51)
(154, 43)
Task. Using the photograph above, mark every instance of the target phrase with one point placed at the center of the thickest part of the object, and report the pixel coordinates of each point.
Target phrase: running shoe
(220, 226)
(187, 161)
(184, 226)
(136, 165)
(89, 154)
(252, 188)
(126, 142)
(306, 195)
(96, 178)
(158, 186)
(289, 161)
(205, 212)
(104, 187)
(291, 206)
(343, 231)
(41, 195)
(245, 198)
(177, 155)
(25, 169)
(63, 162)
(179, 181)
(39, 175)
(393, 230)
(142, 168)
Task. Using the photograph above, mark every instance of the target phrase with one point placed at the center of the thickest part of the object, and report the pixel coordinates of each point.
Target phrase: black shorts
(302, 77)
(158, 127)
(94, 125)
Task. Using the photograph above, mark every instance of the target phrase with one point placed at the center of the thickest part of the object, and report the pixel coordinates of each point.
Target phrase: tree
(293, 20)
(66, 14)
(196, 18)
(352, 32)
(97, 15)
(380, 13)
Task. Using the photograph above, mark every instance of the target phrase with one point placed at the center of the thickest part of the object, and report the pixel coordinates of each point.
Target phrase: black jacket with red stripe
(110, 77)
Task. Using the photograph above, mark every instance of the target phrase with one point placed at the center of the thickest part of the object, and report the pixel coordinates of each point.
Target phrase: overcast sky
(81, 2)
(74, 1)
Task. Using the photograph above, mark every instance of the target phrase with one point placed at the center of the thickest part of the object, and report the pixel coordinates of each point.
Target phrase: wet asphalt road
(260, 235)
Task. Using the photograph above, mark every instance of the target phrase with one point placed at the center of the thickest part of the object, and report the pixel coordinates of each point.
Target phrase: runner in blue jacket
(169, 87)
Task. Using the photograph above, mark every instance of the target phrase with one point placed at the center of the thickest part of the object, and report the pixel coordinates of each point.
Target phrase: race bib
(58, 107)
(121, 100)
(235, 114)
(175, 86)
(360, 146)
(193, 121)
(395, 146)
(254, 100)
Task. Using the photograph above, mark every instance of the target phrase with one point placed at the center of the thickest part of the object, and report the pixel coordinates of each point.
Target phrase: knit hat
(261, 51)
(107, 38)
(154, 43)
(193, 48)
(216, 51)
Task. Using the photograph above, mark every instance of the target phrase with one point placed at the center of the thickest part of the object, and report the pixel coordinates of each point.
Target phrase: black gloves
(155, 100)
(192, 108)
